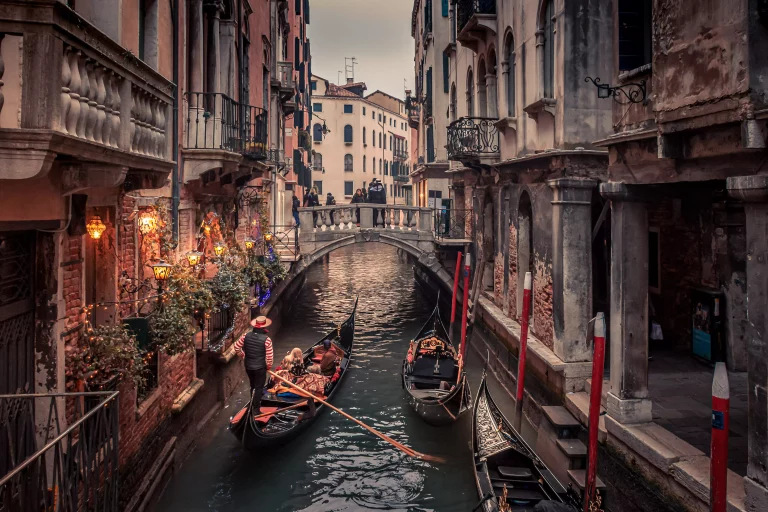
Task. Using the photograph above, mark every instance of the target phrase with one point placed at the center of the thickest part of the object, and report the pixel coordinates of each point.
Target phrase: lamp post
(219, 249)
(193, 258)
(162, 272)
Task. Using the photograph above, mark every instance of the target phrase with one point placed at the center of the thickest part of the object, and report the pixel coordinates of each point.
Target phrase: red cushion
(265, 410)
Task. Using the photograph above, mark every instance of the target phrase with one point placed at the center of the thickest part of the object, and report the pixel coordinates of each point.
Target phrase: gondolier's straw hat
(261, 322)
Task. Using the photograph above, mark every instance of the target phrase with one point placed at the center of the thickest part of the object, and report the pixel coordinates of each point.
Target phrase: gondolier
(255, 348)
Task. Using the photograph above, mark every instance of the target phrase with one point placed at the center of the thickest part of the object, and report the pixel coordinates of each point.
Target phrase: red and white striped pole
(455, 287)
(598, 364)
(718, 470)
(523, 350)
(464, 307)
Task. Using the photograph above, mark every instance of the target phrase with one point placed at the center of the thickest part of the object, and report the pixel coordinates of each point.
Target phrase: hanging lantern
(193, 257)
(207, 229)
(147, 222)
(268, 238)
(95, 227)
(219, 249)
(250, 243)
(162, 270)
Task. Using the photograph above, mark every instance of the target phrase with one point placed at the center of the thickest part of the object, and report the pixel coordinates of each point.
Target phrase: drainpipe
(175, 185)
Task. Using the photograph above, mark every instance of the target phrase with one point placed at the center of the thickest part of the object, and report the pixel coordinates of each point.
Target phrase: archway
(470, 93)
(525, 257)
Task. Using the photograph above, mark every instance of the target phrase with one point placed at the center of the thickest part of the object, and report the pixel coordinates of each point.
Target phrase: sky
(376, 32)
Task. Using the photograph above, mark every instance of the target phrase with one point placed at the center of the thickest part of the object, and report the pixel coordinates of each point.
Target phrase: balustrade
(472, 137)
(387, 217)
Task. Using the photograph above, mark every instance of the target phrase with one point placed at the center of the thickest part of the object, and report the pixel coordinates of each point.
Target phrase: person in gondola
(327, 364)
(255, 348)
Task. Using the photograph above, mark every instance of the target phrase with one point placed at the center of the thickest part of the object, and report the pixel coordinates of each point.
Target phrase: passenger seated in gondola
(292, 365)
(327, 364)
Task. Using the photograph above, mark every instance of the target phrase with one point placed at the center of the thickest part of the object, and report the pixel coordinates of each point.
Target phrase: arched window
(348, 134)
(317, 162)
(317, 132)
(482, 97)
(390, 143)
(547, 48)
(364, 163)
(374, 165)
(381, 166)
(348, 163)
(491, 85)
(509, 73)
(380, 138)
(385, 142)
(454, 105)
(386, 168)
(470, 93)
(373, 137)
(364, 136)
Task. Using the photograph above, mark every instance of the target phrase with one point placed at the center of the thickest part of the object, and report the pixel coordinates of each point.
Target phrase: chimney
(349, 81)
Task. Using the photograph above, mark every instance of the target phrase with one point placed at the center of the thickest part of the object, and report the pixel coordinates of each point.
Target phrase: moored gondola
(433, 376)
(284, 415)
(508, 473)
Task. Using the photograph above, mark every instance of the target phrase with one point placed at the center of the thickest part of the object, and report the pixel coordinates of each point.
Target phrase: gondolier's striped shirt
(270, 355)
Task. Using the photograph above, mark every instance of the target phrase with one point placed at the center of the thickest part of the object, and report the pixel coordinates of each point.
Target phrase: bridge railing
(367, 216)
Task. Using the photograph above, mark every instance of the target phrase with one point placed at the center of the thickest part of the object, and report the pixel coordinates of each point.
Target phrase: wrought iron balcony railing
(402, 178)
(451, 224)
(216, 121)
(468, 8)
(472, 137)
(400, 153)
(276, 157)
(59, 452)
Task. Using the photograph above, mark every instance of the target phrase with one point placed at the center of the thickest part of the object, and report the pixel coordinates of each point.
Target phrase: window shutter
(430, 144)
(297, 53)
(445, 8)
(446, 72)
(429, 92)
(298, 7)
(306, 12)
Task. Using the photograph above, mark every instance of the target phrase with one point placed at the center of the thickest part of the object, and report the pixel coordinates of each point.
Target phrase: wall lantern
(219, 249)
(147, 222)
(162, 271)
(633, 92)
(268, 238)
(95, 227)
(193, 257)
(250, 243)
(207, 229)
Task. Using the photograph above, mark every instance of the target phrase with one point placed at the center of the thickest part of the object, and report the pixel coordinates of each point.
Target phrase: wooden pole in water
(718, 470)
(523, 351)
(455, 287)
(598, 364)
(464, 307)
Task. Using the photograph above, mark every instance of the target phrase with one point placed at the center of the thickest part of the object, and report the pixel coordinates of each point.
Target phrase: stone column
(196, 46)
(753, 190)
(627, 400)
(491, 96)
(214, 67)
(366, 217)
(506, 77)
(572, 266)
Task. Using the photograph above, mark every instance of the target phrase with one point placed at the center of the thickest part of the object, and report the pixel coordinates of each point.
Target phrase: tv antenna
(349, 68)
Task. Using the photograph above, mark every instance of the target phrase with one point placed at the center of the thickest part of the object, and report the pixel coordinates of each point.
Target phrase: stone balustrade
(388, 217)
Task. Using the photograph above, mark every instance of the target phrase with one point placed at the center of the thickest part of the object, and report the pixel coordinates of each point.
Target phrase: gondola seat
(425, 367)
(516, 473)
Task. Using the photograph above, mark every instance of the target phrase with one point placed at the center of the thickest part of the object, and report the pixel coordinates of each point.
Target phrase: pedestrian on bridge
(377, 194)
(356, 199)
(255, 348)
(295, 209)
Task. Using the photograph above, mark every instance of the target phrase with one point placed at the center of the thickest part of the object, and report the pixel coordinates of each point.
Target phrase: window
(364, 163)
(390, 142)
(386, 168)
(347, 109)
(348, 163)
(319, 186)
(430, 144)
(348, 134)
(317, 132)
(374, 165)
(148, 32)
(379, 117)
(445, 9)
(453, 105)
(509, 50)
(373, 115)
(548, 50)
(385, 119)
(317, 162)
(348, 186)
(390, 189)
(380, 139)
(313, 85)
(446, 72)
(363, 110)
(385, 143)
(373, 138)
(634, 34)
(317, 107)
(381, 165)
(364, 143)
(654, 261)
(470, 94)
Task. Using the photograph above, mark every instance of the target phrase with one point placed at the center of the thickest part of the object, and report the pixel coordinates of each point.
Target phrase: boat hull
(440, 412)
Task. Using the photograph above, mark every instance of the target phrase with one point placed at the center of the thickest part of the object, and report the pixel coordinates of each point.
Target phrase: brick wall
(542, 302)
(72, 272)
(470, 217)
(126, 248)
(512, 289)
(498, 280)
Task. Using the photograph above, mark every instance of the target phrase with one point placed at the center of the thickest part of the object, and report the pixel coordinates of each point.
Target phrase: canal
(336, 465)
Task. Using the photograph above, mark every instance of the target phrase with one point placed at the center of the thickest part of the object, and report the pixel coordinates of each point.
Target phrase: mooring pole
(523, 350)
(598, 364)
(465, 307)
(455, 287)
(718, 470)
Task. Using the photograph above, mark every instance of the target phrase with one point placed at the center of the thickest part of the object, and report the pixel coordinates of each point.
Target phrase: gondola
(282, 426)
(435, 383)
(508, 473)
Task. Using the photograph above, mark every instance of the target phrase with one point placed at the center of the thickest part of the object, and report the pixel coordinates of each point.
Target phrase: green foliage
(229, 286)
(275, 270)
(188, 290)
(255, 273)
(107, 353)
(171, 328)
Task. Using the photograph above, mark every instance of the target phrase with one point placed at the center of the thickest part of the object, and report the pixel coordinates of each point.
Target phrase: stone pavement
(681, 389)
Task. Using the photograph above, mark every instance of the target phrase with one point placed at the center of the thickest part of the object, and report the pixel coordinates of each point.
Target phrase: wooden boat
(285, 424)
(508, 473)
(434, 381)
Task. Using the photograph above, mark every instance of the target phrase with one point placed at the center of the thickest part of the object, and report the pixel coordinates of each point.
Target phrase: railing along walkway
(386, 216)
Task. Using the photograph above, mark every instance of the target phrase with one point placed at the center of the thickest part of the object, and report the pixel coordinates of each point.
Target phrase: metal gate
(17, 319)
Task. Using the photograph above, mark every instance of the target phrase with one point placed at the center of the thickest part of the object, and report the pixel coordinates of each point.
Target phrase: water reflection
(336, 465)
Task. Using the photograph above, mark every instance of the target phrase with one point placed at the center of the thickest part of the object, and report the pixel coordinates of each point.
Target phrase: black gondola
(508, 473)
(284, 426)
(435, 383)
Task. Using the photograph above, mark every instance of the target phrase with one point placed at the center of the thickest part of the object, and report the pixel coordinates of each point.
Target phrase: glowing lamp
(95, 227)
(219, 249)
(207, 229)
(250, 243)
(268, 238)
(162, 270)
(147, 222)
(193, 257)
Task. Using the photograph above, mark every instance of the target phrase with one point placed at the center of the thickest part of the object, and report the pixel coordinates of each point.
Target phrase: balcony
(476, 21)
(51, 463)
(401, 178)
(285, 82)
(219, 132)
(473, 138)
(399, 153)
(276, 158)
(80, 96)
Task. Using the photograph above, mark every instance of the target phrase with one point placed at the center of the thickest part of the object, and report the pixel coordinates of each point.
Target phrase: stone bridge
(409, 228)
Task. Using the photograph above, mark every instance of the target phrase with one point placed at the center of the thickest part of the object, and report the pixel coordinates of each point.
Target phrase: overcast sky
(376, 32)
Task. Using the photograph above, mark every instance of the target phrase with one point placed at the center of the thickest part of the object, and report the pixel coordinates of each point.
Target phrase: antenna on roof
(349, 69)
(338, 77)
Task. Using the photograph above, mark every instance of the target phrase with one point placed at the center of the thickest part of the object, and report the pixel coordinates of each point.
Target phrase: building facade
(92, 148)
(356, 138)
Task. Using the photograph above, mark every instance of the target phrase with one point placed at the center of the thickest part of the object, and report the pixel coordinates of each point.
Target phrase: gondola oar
(295, 406)
(408, 451)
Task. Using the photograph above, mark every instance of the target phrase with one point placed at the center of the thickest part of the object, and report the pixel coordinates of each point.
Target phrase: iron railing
(468, 8)
(451, 223)
(472, 136)
(59, 452)
(216, 121)
(400, 153)
(285, 241)
(401, 178)
(150, 375)
(219, 325)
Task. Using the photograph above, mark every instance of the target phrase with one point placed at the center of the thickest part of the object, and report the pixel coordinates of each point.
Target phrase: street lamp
(95, 227)
(219, 249)
(250, 243)
(162, 271)
(193, 258)
(147, 222)
(268, 238)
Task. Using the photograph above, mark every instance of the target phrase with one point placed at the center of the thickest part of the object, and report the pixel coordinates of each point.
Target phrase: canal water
(336, 465)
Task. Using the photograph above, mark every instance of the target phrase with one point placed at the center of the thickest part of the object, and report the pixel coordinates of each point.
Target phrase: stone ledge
(693, 474)
(229, 354)
(578, 405)
(187, 395)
